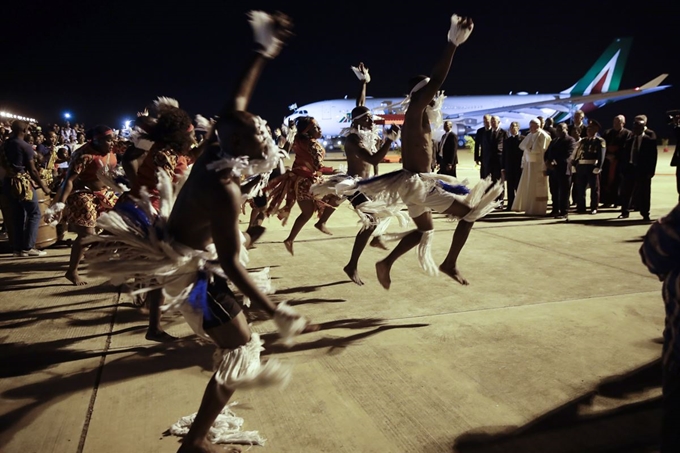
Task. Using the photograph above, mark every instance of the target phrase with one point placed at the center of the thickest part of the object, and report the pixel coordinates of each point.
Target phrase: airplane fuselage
(334, 115)
(599, 86)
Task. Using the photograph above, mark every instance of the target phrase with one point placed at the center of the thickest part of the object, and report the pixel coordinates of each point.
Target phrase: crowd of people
(143, 206)
(556, 164)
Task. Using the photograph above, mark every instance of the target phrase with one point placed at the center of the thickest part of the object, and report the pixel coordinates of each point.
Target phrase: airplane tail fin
(605, 75)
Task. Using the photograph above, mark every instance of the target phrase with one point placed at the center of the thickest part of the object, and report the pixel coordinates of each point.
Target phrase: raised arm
(271, 32)
(364, 77)
(461, 27)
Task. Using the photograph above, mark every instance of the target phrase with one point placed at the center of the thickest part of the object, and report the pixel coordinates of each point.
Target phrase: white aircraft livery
(598, 87)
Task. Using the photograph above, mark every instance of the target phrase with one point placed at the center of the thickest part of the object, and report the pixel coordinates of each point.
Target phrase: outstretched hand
(460, 30)
(361, 72)
(283, 26)
(392, 133)
(271, 31)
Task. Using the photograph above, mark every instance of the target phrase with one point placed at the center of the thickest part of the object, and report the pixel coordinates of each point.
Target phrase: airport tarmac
(553, 347)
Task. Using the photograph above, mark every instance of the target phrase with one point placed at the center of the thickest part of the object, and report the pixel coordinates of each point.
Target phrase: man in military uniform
(589, 160)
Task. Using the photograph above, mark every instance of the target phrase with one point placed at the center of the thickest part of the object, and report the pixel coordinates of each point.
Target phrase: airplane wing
(564, 103)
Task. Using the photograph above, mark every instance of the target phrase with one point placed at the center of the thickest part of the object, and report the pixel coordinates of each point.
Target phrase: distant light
(127, 124)
(339, 143)
(67, 115)
(18, 117)
(325, 142)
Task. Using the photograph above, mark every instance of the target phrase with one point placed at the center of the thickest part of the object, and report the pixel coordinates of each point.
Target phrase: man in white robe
(532, 193)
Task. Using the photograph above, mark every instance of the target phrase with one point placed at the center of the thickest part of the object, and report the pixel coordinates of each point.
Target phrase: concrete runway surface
(552, 347)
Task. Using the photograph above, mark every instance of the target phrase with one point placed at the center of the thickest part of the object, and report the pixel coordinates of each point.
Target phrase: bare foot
(206, 447)
(289, 246)
(255, 232)
(383, 271)
(74, 278)
(322, 227)
(454, 274)
(159, 336)
(377, 242)
(353, 274)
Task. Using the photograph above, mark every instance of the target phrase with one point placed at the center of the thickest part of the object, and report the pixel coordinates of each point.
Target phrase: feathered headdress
(164, 103)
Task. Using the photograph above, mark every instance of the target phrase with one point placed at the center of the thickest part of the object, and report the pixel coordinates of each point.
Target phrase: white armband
(53, 213)
(263, 27)
(393, 135)
(363, 76)
(457, 33)
(289, 322)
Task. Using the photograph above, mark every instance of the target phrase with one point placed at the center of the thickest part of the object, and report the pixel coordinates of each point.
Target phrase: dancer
(172, 136)
(423, 192)
(660, 252)
(86, 197)
(198, 249)
(295, 184)
(361, 148)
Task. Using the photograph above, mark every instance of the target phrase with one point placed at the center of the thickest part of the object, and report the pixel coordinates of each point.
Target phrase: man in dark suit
(512, 161)
(481, 146)
(549, 127)
(448, 150)
(495, 161)
(558, 164)
(675, 160)
(639, 165)
(616, 138)
(577, 126)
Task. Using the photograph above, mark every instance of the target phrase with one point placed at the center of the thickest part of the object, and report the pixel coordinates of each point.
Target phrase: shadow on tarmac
(632, 427)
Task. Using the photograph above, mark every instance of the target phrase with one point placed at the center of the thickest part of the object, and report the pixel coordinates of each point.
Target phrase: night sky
(103, 61)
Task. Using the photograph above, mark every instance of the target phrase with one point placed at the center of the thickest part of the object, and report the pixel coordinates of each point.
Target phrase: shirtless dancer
(196, 223)
(362, 155)
(416, 158)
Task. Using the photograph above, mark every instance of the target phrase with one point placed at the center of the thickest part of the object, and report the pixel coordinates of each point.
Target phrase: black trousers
(512, 180)
(611, 182)
(452, 172)
(496, 174)
(639, 186)
(584, 178)
(560, 184)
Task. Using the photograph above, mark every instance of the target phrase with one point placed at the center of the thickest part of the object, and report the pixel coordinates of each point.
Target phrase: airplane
(599, 86)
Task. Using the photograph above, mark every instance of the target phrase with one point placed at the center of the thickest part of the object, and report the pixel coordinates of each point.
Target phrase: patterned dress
(295, 185)
(85, 205)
